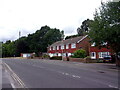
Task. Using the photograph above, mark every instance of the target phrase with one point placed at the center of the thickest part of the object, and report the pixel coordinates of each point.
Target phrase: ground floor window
(93, 55)
(103, 54)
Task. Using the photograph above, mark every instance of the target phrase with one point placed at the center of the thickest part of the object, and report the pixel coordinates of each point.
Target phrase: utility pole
(19, 34)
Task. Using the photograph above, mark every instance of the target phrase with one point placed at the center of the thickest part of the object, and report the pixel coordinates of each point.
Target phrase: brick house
(67, 47)
(99, 53)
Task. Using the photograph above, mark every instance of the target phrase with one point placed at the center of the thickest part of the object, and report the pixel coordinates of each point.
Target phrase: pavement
(4, 77)
(62, 74)
(8, 79)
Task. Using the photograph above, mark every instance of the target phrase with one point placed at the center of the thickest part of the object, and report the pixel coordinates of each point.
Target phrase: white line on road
(111, 86)
(67, 74)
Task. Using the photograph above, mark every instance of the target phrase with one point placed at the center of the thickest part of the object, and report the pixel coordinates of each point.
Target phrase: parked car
(107, 58)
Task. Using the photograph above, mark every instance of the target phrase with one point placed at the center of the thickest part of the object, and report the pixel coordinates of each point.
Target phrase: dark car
(107, 58)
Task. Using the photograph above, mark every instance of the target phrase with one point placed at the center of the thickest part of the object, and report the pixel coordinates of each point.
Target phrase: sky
(28, 16)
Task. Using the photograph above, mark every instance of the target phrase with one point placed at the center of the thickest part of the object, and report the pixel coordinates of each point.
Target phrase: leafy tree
(21, 46)
(79, 53)
(84, 28)
(41, 39)
(8, 49)
(106, 26)
(36, 42)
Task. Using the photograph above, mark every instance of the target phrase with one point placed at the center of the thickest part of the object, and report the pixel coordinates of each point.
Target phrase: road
(63, 74)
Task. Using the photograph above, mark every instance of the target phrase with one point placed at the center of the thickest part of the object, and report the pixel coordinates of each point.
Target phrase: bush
(79, 54)
(56, 58)
(46, 56)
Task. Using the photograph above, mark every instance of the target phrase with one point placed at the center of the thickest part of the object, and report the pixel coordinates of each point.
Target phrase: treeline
(36, 42)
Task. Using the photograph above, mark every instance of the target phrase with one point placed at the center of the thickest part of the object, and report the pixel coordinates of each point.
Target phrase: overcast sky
(28, 16)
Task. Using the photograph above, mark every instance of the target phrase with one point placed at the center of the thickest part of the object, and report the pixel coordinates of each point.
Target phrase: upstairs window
(73, 45)
(57, 47)
(53, 47)
(50, 48)
(67, 46)
(62, 46)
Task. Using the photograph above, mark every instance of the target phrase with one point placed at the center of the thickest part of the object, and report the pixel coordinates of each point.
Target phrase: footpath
(8, 79)
(4, 78)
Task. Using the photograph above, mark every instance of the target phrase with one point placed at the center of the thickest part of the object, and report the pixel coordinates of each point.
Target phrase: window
(62, 46)
(73, 45)
(93, 55)
(67, 46)
(57, 47)
(50, 48)
(53, 47)
(103, 54)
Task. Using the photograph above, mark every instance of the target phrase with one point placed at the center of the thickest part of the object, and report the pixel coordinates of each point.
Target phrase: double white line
(15, 77)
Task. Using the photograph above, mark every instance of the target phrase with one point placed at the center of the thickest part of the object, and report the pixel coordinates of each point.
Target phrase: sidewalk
(4, 78)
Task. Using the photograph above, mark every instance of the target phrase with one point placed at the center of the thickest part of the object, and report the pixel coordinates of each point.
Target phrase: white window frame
(50, 48)
(62, 47)
(67, 46)
(93, 55)
(53, 47)
(73, 45)
(57, 47)
(102, 54)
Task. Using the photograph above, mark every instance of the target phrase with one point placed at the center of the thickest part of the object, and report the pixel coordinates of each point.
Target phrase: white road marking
(113, 86)
(67, 74)
(13, 86)
(76, 76)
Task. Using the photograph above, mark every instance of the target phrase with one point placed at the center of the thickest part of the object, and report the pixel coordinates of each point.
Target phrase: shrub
(79, 54)
(46, 56)
(56, 58)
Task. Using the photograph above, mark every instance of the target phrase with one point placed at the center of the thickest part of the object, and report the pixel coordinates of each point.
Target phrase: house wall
(84, 44)
(98, 50)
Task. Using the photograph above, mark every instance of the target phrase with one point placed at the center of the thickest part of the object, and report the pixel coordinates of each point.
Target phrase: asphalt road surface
(63, 74)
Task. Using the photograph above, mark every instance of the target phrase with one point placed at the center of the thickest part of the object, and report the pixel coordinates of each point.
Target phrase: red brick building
(99, 53)
(67, 47)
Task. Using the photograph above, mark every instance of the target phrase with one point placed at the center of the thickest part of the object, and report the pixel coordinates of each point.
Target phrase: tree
(21, 46)
(41, 39)
(8, 49)
(84, 28)
(36, 42)
(106, 26)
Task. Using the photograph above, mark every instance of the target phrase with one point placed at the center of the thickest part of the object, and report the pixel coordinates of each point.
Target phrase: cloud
(28, 16)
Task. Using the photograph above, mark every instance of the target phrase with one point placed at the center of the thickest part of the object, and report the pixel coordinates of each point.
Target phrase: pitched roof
(68, 41)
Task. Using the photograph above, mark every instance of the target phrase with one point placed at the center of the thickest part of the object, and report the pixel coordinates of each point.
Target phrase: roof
(71, 40)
